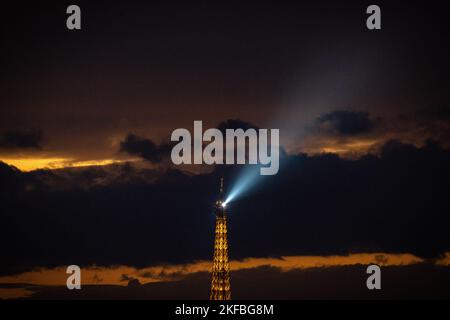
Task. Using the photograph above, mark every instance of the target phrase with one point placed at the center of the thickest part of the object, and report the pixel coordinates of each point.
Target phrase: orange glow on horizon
(113, 275)
(31, 164)
(119, 275)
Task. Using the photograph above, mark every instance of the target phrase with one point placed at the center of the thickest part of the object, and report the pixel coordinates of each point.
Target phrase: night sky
(85, 124)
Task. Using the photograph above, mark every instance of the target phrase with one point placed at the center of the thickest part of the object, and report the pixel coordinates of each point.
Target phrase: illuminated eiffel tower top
(220, 284)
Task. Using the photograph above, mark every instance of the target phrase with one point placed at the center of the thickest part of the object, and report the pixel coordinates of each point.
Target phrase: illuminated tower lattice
(220, 284)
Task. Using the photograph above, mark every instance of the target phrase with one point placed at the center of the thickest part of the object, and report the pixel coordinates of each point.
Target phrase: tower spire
(220, 284)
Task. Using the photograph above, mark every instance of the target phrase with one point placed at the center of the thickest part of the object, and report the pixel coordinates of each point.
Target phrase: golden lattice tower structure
(220, 284)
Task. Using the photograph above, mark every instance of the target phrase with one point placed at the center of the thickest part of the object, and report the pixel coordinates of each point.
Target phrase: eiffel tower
(220, 284)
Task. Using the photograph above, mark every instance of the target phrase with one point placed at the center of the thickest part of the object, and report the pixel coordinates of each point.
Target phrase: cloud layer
(21, 140)
(144, 148)
(346, 123)
(316, 205)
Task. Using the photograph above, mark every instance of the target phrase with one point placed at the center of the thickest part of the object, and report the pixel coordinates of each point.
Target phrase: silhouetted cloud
(21, 140)
(235, 124)
(424, 124)
(344, 122)
(144, 148)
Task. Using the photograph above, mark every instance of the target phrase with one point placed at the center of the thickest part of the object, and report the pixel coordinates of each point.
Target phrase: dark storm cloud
(21, 140)
(430, 123)
(156, 153)
(345, 123)
(144, 148)
(315, 205)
